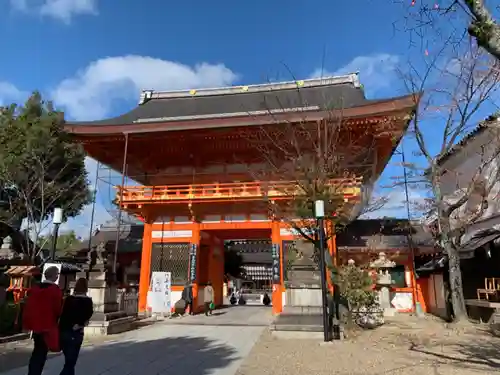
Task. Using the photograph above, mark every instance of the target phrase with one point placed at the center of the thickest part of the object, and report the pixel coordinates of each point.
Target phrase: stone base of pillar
(107, 318)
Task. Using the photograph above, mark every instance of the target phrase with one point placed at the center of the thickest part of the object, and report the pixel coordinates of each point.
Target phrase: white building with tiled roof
(472, 167)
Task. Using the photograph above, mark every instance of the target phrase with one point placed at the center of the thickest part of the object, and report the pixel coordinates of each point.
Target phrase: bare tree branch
(456, 92)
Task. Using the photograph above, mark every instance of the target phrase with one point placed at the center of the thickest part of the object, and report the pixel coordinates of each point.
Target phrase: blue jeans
(71, 342)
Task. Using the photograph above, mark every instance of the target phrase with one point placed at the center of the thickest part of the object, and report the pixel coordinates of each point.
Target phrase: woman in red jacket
(41, 316)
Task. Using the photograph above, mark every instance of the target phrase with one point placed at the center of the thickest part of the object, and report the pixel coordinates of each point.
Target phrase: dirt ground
(406, 345)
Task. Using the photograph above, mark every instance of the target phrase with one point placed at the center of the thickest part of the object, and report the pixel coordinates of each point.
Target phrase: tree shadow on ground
(187, 355)
(473, 354)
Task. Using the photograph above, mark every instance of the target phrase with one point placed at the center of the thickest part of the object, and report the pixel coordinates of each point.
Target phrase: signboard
(160, 296)
(171, 234)
(192, 263)
(276, 268)
(48, 265)
(402, 301)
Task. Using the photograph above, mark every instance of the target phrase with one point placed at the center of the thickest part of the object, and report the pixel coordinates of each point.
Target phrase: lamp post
(319, 211)
(57, 221)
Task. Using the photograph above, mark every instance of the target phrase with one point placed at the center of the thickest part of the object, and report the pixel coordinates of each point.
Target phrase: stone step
(302, 310)
(298, 322)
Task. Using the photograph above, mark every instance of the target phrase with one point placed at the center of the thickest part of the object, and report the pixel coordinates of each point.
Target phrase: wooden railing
(222, 191)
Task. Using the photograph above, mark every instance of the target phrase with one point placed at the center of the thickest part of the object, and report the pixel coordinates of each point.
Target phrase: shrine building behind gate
(190, 153)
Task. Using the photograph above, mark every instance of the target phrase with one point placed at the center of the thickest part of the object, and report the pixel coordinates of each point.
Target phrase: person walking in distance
(208, 298)
(41, 315)
(187, 295)
(76, 313)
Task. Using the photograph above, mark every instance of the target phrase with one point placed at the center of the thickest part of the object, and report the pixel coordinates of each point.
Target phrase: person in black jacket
(187, 295)
(76, 313)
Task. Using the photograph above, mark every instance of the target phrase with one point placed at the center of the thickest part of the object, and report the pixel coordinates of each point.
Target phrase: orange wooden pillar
(414, 285)
(332, 248)
(145, 275)
(216, 269)
(194, 257)
(277, 270)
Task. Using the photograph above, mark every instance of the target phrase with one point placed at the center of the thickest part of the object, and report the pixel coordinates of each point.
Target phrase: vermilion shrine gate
(189, 152)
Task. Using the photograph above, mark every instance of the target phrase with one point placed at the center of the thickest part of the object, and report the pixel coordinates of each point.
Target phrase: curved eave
(400, 105)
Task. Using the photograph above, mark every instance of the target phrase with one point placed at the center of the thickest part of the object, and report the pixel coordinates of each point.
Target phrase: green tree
(40, 167)
(65, 242)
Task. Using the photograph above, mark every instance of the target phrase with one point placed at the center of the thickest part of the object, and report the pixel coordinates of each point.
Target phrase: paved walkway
(251, 316)
(165, 348)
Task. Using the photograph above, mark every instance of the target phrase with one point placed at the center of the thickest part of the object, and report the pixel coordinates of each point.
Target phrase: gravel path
(409, 346)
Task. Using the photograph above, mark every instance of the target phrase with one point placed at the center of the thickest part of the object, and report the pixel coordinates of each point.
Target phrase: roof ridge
(352, 78)
(457, 147)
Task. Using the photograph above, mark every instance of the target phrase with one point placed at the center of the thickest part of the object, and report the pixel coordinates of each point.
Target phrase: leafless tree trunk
(484, 27)
(457, 89)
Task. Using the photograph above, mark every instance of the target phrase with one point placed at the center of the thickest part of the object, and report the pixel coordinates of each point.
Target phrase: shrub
(355, 285)
(8, 316)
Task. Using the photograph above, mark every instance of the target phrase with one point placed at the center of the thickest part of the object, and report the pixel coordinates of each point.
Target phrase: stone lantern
(6, 251)
(382, 265)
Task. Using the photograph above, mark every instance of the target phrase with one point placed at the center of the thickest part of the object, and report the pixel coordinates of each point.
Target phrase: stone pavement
(164, 348)
(251, 316)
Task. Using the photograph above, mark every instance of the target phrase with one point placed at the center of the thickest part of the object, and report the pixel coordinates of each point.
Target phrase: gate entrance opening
(248, 271)
(238, 263)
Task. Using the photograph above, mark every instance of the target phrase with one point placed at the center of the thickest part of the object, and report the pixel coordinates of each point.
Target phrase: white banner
(160, 299)
(402, 301)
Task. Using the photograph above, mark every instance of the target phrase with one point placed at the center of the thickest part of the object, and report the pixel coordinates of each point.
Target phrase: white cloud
(10, 93)
(62, 10)
(66, 9)
(377, 72)
(91, 93)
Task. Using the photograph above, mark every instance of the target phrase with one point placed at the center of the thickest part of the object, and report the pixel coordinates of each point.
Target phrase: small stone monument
(101, 288)
(382, 265)
(6, 251)
(303, 272)
(303, 287)
(96, 258)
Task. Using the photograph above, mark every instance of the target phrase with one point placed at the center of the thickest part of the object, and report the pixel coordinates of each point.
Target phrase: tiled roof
(469, 137)
(314, 94)
(382, 234)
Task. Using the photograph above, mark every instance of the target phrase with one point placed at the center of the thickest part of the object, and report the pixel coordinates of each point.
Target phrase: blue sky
(92, 57)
